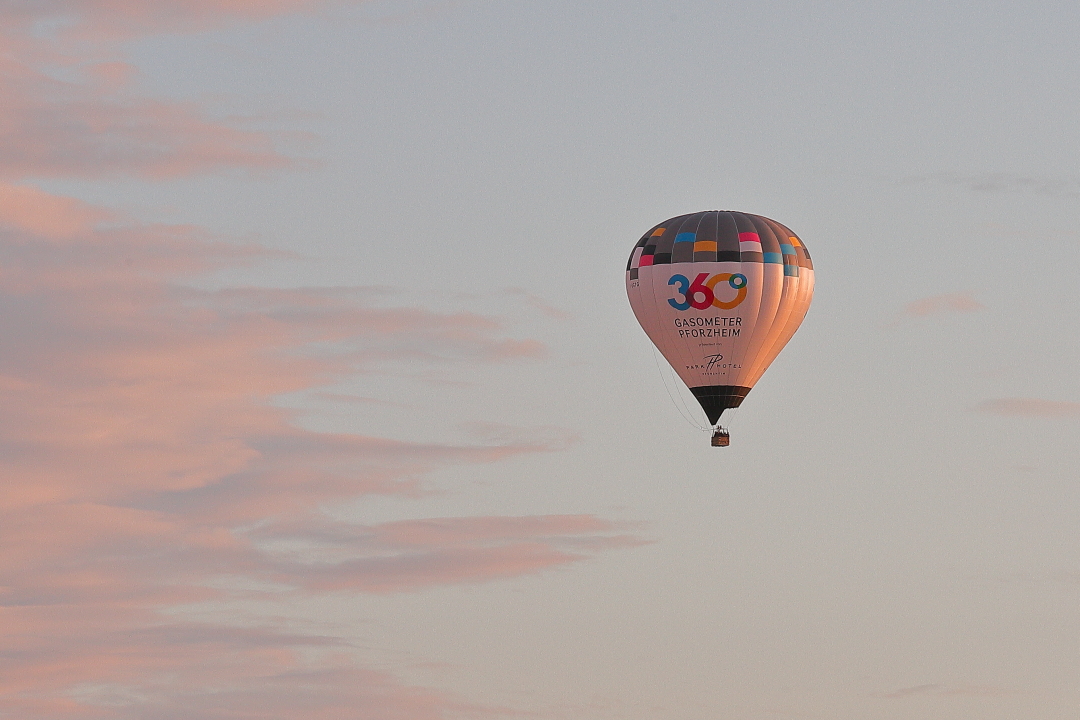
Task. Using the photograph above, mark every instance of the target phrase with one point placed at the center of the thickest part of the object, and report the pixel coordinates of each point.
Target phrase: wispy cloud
(44, 216)
(413, 554)
(940, 304)
(942, 691)
(904, 692)
(398, 12)
(187, 670)
(137, 436)
(70, 109)
(1030, 407)
(539, 303)
(119, 378)
(111, 19)
(1005, 183)
(145, 468)
(64, 128)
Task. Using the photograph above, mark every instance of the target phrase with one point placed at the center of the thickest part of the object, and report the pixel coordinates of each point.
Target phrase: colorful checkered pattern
(720, 236)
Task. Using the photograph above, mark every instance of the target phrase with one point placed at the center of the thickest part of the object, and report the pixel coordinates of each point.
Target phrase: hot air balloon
(720, 294)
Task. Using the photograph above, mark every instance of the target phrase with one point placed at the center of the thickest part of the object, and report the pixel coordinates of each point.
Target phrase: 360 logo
(701, 294)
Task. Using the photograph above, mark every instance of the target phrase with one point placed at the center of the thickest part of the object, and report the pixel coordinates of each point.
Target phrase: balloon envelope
(720, 294)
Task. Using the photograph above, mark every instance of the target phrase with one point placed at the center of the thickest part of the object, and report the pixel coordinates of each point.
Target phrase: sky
(321, 397)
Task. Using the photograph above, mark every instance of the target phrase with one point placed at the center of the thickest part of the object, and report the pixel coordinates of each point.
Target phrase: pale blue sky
(891, 535)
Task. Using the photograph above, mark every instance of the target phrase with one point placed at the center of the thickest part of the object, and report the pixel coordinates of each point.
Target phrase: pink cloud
(101, 342)
(112, 19)
(442, 531)
(137, 434)
(1030, 407)
(54, 128)
(69, 106)
(539, 303)
(174, 670)
(943, 691)
(40, 214)
(109, 77)
(412, 554)
(946, 303)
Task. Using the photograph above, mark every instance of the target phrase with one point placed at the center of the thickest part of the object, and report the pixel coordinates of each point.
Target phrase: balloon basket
(721, 437)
